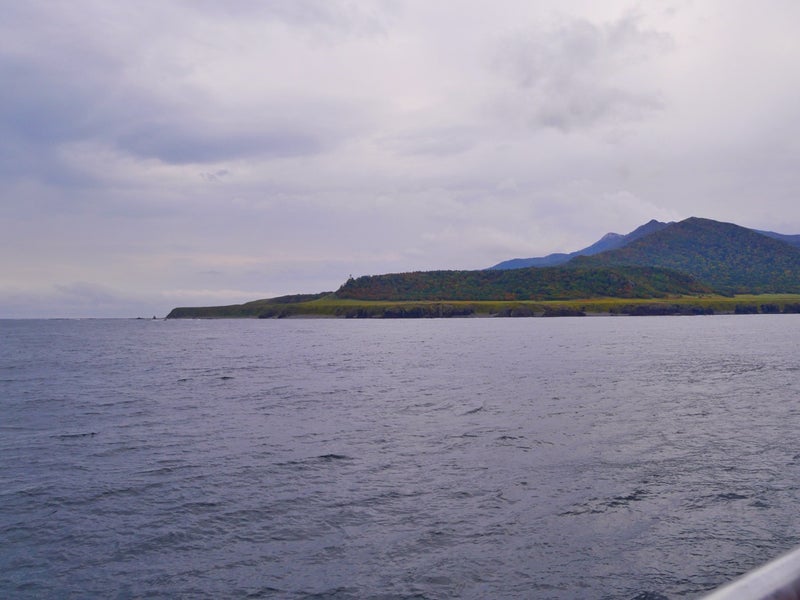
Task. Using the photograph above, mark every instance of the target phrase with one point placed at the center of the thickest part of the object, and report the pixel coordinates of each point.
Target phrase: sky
(158, 153)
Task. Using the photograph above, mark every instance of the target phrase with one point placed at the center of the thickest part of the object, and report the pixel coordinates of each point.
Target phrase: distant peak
(610, 236)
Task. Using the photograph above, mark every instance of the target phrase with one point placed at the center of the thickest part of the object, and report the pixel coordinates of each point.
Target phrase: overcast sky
(180, 153)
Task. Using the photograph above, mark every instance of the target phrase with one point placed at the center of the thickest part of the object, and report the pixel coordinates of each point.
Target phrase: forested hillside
(727, 257)
(549, 283)
(658, 260)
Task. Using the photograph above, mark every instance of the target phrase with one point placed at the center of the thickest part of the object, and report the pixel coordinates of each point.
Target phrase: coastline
(333, 308)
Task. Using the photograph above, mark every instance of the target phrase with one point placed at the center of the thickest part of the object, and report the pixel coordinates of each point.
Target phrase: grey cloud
(345, 16)
(193, 143)
(49, 100)
(574, 76)
(585, 107)
(433, 142)
(79, 90)
(217, 175)
(47, 107)
(39, 106)
(39, 111)
(181, 133)
(56, 81)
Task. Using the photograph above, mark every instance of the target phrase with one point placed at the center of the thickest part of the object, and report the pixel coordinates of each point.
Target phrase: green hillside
(669, 264)
(549, 283)
(248, 309)
(727, 257)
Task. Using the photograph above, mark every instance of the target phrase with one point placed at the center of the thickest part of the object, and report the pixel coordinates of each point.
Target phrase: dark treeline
(550, 283)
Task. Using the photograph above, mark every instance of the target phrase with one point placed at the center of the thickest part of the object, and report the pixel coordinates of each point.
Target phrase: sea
(644, 458)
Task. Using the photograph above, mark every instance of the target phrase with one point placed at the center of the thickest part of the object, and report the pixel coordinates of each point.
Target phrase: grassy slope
(330, 306)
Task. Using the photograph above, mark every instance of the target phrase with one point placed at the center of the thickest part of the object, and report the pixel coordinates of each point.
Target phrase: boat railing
(779, 579)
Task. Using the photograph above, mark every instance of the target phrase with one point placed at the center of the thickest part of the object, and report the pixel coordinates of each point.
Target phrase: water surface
(462, 458)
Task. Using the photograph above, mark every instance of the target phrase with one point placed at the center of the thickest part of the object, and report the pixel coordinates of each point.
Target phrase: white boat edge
(779, 579)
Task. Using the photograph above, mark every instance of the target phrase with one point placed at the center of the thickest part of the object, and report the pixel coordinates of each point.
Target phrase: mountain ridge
(728, 257)
(609, 241)
(725, 258)
(613, 241)
(692, 258)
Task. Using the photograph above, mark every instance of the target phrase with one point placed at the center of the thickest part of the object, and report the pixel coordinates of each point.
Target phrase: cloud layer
(160, 154)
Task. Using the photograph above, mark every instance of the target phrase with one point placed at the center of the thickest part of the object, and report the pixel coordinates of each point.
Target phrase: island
(692, 267)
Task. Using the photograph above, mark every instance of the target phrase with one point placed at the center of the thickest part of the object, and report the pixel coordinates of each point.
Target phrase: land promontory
(695, 266)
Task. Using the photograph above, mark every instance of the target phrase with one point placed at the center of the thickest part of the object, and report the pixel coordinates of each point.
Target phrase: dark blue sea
(647, 458)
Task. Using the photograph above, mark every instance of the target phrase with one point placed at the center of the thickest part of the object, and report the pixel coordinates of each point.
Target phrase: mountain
(657, 260)
(793, 240)
(727, 257)
(612, 241)
(533, 283)
(609, 241)
(688, 257)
